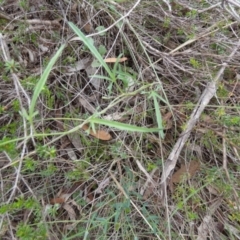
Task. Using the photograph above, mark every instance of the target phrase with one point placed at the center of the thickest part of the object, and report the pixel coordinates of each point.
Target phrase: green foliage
(126, 75)
(210, 140)
(99, 29)
(102, 50)
(50, 170)
(113, 74)
(9, 129)
(11, 111)
(11, 66)
(192, 36)
(191, 216)
(187, 198)
(230, 121)
(166, 38)
(46, 152)
(22, 37)
(166, 22)
(222, 92)
(74, 174)
(19, 204)
(121, 208)
(24, 4)
(8, 146)
(40, 85)
(33, 38)
(78, 172)
(2, 109)
(69, 60)
(180, 31)
(16, 105)
(49, 97)
(195, 63)
(117, 150)
(192, 14)
(220, 112)
(189, 105)
(122, 126)
(151, 166)
(234, 215)
(219, 48)
(37, 231)
(219, 180)
(152, 219)
(30, 82)
(155, 97)
(30, 165)
(89, 43)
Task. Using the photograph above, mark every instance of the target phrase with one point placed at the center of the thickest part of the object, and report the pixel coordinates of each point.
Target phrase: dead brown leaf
(102, 185)
(57, 201)
(71, 213)
(188, 170)
(167, 118)
(88, 28)
(99, 134)
(205, 228)
(113, 60)
(60, 198)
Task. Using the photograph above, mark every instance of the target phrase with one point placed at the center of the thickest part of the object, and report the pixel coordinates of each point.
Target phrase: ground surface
(130, 130)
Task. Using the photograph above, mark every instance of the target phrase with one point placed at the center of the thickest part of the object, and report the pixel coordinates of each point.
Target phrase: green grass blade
(40, 85)
(92, 48)
(123, 126)
(101, 77)
(158, 115)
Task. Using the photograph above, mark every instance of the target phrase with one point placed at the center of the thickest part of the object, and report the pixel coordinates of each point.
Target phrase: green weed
(34, 231)
(195, 63)
(12, 66)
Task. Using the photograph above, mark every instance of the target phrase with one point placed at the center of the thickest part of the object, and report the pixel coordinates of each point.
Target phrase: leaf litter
(186, 171)
(99, 134)
(176, 53)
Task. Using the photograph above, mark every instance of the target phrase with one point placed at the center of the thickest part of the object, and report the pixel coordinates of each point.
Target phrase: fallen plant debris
(119, 119)
(113, 60)
(185, 171)
(99, 134)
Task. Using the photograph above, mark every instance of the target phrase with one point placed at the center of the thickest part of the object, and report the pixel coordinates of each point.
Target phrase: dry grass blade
(71, 213)
(113, 60)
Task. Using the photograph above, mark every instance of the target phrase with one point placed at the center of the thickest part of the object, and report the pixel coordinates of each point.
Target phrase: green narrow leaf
(101, 77)
(24, 113)
(123, 126)
(40, 85)
(92, 48)
(158, 115)
(162, 99)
